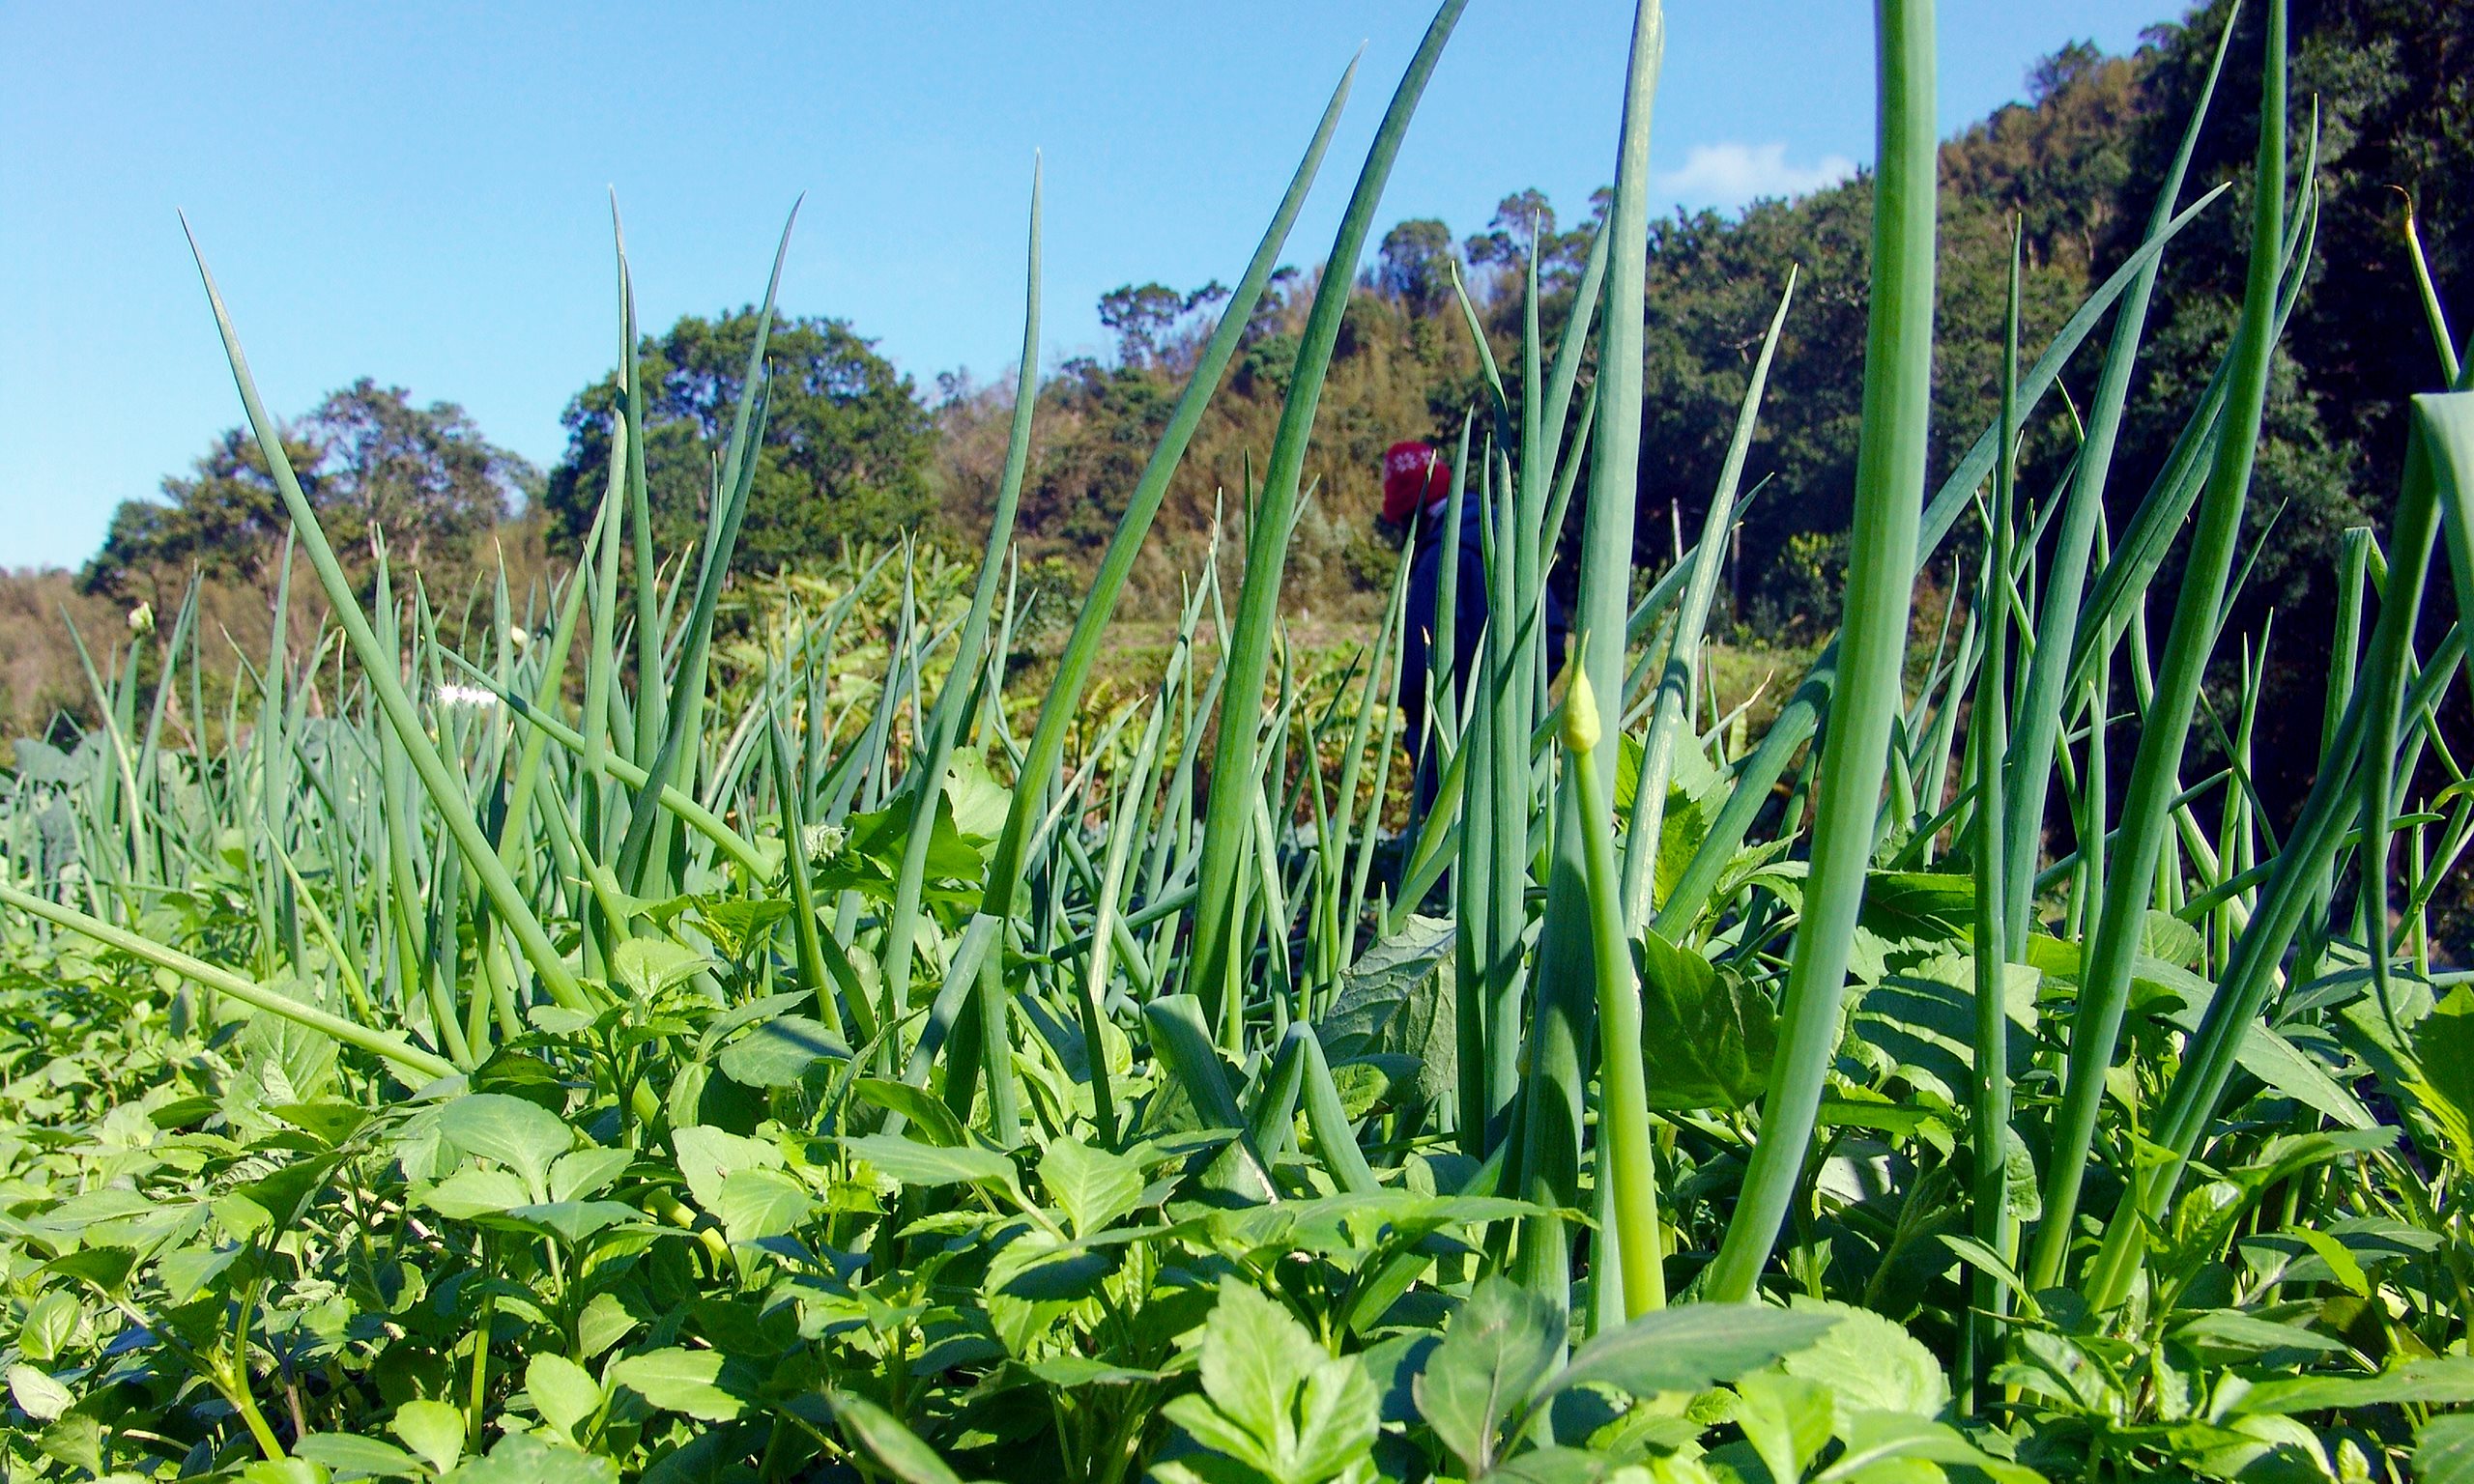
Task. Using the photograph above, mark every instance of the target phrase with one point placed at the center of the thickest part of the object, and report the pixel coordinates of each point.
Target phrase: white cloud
(1734, 174)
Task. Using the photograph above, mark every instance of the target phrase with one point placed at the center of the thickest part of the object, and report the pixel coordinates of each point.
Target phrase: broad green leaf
(1922, 1019)
(471, 1191)
(2284, 1069)
(1273, 1399)
(779, 1052)
(50, 1323)
(2233, 1330)
(734, 924)
(895, 1446)
(1338, 1417)
(1706, 1036)
(2341, 1260)
(1499, 1345)
(649, 967)
(350, 1454)
(914, 1163)
(1870, 1364)
(434, 1429)
(1397, 999)
(1884, 1437)
(1095, 1187)
(916, 1104)
(1254, 1357)
(1907, 906)
(1694, 1348)
(2443, 1044)
(2444, 1450)
(588, 1172)
(571, 1221)
(106, 1267)
(1681, 830)
(757, 1204)
(521, 1458)
(522, 1136)
(1787, 1419)
(2445, 1381)
(37, 1394)
(604, 1322)
(678, 1380)
(564, 1392)
(2167, 938)
(978, 800)
(1067, 1372)
(708, 1156)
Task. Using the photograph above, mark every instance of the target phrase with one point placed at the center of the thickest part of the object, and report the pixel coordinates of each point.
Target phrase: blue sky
(416, 193)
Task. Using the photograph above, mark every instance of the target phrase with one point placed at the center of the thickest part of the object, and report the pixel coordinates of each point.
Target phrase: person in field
(1416, 486)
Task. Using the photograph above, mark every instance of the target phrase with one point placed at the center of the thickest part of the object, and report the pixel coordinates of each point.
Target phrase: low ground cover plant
(533, 1060)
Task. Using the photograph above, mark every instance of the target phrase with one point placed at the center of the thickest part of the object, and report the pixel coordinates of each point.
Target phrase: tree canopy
(844, 454)
(371, 462)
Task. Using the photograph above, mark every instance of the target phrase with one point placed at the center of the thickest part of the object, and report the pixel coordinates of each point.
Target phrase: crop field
(623, 1032)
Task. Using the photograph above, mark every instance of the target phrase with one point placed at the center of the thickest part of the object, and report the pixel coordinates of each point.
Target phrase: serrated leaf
(2286, 1069)
(1095, 1187)
(37, 1394)
(914, 1163)
(2447, 1380)
(471, 1191)
(1869, 1363)
(571, 1221)
(679, 1379)
(588, 1172)
(522, 1136)
(564, 1392)
(1707, 1036)
(521, 1458)
(2444, 1451)
(1787, 1419)
(350, 1455)
(708, 1156)
(1692, 1349)
(895, 1446)
(649, 966)
(779, 1052)
(924, 1108)
(757, 1204)
(434, 1429)
(1499, 1344)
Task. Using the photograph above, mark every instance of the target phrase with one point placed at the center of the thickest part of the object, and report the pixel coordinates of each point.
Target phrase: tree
(224, 520)
(424, 476)
(366, 458)
(1145, 319)
(1415, 264)
(845, 453)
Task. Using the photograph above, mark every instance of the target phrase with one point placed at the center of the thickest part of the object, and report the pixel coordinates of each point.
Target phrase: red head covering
(1413, 476)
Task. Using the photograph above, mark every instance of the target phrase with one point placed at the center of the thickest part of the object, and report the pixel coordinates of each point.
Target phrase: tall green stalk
(1989, 739)
(1890, 480)
(2030, 774)
(1062, 709)
(2147, 815)
(1227, 838)
(379, 668)
(1560, 1030)
(927, 780)
(1626, 1158)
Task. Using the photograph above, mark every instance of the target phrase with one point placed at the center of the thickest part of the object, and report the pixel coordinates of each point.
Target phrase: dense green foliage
(691, 1028)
